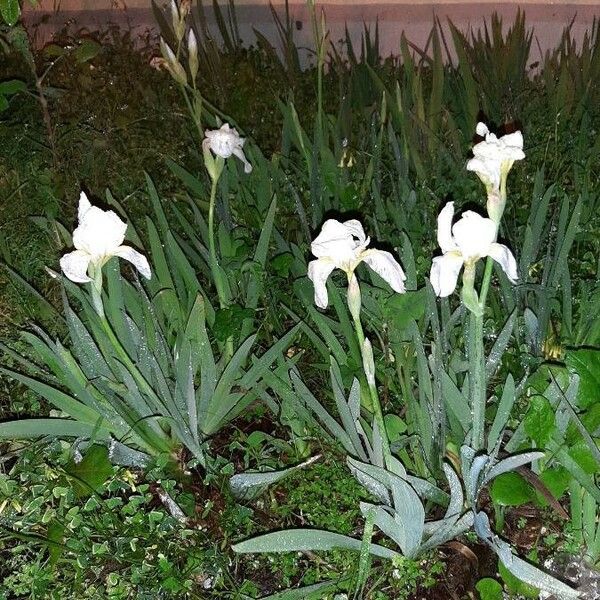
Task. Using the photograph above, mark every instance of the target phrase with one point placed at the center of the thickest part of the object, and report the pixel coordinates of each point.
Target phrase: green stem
(96, 285)
(195, 117)
(477, 379)
(217, 273)
(214, 264)
(354, 304)
(485, 284)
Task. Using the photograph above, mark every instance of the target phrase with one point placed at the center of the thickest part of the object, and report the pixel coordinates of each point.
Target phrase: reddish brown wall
(415, 18)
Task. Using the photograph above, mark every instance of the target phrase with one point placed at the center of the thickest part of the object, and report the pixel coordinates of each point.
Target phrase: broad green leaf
(510, 489)
(539, 421)
(557, 481)
(10, 11)
(87, 50)
(91, 472)
(489, 589)
(229, 321)
(12, 86)
(394, 426)
(586, 363)
(401, 309)
(582, 455)
(576, 471)
(515, 585)
(55, 533)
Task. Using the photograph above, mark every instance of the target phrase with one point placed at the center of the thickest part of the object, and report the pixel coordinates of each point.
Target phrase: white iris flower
(344, 246)
(98, 236)
(472, 237)
(226, 141)
(493, 157)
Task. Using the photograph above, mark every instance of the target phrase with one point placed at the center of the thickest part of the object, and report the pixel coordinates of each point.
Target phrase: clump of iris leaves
(144, 508)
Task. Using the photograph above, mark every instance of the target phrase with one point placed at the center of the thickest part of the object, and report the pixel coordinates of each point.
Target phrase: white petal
(240, 154)
(444, 273)
(84, 206)
(224, 141)
(482, 129)
(356, 229)
(514, 142)
(387, 267)
(488, 170)
(490, 148)
(318, 272)
(504, 257)
(139, 261)
(473, 235)
(444, 228)
(75, 265)
(100, 232)
(336, 243)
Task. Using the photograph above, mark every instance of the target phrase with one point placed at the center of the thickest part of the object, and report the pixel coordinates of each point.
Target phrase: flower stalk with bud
(492, 160)
(470, 239)
(97, 238)
(224, 143)
(344, 246)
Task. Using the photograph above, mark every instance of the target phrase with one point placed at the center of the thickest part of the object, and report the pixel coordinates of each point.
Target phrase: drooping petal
(444, 228)
(99, 233)
(139, 261)
(473, 235)
(240, 154)
(504, 257)
(336, 243)
(75, 265)
(84, 206)
(318, 272)
(444, 273)
(387, 267)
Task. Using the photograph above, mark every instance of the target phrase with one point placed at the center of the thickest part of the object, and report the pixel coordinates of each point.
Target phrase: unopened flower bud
(178, 15)
(468, 294)
(368, 362)
(495, 205)
(192, 54)
(173, 65)
(354, 299)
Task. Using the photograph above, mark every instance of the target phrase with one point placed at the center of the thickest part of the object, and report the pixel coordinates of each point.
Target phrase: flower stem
(217, 273)
(477, 381)
(476, 356)
(96, 285)
(354, 304)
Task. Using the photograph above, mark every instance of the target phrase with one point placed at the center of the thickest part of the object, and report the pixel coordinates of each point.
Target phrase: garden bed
(228, 360)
